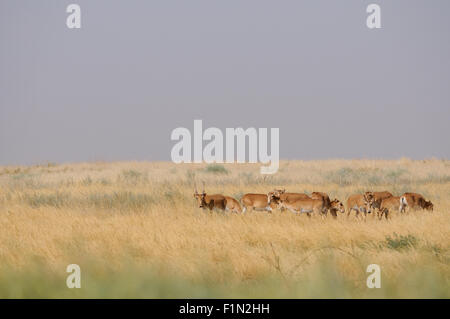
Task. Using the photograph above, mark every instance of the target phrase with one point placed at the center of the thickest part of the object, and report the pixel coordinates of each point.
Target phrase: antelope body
(324, 197)
(378, 197)
(307, 206)
(336, 206)
(416, 201)
(360, 203)
(211, 201)
(276, 196)
(232, 205)
(391, 204)
(216, 201)
(256, 202)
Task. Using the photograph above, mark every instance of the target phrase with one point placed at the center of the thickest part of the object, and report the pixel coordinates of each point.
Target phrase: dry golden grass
(135, 230)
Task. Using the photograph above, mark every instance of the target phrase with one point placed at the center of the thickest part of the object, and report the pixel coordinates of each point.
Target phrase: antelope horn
(203, 186)
(195, 188)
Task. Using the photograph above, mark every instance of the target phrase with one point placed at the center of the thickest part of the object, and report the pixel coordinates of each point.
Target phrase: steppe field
(136, 232)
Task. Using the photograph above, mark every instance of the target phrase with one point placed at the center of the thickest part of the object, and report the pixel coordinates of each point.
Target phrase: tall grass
(136, 231)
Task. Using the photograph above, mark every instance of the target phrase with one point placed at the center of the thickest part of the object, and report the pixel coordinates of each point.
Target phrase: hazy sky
(117, 87)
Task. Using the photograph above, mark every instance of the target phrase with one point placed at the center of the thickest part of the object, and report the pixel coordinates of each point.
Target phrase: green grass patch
(399, 242)
(216, 169)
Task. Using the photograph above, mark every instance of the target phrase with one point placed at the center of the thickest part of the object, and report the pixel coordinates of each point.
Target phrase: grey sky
(116, 88)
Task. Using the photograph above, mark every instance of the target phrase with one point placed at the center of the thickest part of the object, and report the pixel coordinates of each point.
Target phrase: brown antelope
(307, 206)
(359, 203)
(257, 202)
(377, 198)
(322, 196)
(390, 204)
(290, 197)
(232, 205)
(336, 206)
(275, 196)
(210, 201)
(416, 201)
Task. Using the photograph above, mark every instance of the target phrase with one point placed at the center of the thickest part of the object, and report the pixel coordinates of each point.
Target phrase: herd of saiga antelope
(319, 203)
